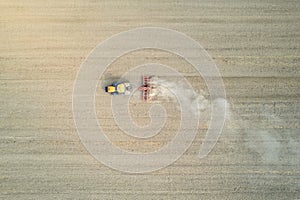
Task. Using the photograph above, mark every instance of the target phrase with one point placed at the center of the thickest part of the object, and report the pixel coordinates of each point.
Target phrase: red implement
(145, 88)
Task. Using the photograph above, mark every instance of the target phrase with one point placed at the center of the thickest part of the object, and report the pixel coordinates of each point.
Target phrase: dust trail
(259, 136)
(270, 144)
(163, 92)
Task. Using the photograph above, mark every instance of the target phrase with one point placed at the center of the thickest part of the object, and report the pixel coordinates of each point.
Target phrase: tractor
(117, 88)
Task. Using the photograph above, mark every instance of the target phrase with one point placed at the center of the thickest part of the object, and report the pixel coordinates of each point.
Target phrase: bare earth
(256, 46)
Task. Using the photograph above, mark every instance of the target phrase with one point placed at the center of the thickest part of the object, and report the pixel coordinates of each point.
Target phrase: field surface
(256, 46)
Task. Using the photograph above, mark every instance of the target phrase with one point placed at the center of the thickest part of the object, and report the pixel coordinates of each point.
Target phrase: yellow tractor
(117, 88)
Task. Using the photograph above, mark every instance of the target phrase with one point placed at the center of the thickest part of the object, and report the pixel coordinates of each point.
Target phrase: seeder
(146, 88)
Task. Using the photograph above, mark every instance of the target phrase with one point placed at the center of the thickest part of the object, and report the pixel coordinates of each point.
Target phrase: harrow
(146, 88)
